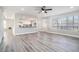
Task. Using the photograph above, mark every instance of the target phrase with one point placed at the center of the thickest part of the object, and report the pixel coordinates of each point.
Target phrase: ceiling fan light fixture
(42, 11)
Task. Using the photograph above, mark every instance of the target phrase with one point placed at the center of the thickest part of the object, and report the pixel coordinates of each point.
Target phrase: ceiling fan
(44, 9)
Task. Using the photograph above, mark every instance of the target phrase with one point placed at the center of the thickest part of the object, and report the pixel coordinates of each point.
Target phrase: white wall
(1, 26)
(9, 23)
(44, 23)
(9, 18)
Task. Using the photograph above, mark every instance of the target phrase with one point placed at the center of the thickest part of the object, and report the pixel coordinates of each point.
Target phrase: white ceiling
(34, 10)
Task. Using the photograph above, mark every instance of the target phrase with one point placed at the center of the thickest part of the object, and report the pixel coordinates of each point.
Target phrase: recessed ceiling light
(72, 7)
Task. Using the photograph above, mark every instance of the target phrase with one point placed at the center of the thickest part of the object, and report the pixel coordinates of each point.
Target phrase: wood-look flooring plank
(39, 42)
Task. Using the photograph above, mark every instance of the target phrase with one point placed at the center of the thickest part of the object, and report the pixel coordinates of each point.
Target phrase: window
(66, 23)
(76, 22)
(70, 22)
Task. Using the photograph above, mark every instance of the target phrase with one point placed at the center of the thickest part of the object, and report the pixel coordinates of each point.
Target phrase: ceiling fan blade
(48, 9)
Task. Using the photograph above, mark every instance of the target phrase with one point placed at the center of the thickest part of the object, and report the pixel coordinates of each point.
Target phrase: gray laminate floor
(39, 42)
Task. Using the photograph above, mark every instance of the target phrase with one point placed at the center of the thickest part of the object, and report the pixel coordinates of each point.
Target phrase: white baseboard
(64, 34)
(52, 32)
